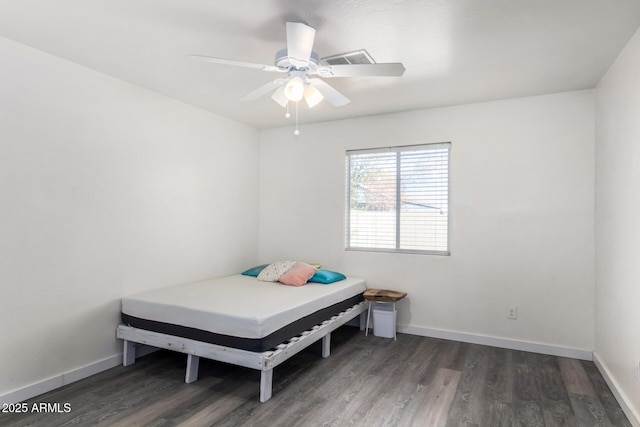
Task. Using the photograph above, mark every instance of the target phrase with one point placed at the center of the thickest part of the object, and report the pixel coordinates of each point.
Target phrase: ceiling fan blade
(234, 63)
(392, 69)
(331, 95)
(262, 90)
(300, 39)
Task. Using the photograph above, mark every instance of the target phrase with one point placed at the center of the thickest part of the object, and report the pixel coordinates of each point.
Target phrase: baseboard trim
(511, 344)
(57, 381)
(621, 397)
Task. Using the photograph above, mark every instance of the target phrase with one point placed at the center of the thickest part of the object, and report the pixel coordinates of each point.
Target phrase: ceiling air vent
(357, 57)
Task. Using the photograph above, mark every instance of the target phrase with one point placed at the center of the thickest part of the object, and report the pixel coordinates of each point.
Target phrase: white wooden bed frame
(263, 361)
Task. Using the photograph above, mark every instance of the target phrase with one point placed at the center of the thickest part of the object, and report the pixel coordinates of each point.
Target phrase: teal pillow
(253, 272)
(326, 277)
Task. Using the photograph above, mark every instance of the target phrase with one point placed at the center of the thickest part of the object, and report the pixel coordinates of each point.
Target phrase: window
(397, 199)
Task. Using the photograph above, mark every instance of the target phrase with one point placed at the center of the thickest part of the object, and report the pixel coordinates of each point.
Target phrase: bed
(240, 320)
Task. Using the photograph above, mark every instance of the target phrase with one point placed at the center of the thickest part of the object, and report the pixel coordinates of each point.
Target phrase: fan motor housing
(282, 61)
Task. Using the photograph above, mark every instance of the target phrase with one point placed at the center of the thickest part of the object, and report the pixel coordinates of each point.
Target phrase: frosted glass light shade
(294, 90)
(280, 97)
(312, 96)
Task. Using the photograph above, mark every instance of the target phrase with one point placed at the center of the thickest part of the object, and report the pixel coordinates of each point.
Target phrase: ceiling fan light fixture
(294, 90)
(312, 96)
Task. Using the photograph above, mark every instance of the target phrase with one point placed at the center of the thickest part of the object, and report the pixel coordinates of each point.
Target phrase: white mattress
(238, 305)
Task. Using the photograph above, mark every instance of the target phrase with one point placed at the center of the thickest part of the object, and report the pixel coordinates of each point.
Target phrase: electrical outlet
(512, 312)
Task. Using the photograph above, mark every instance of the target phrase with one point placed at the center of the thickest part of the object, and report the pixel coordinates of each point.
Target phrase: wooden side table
(384, 296)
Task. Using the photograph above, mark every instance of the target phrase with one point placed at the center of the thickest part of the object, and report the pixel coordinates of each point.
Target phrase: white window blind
(397, 199)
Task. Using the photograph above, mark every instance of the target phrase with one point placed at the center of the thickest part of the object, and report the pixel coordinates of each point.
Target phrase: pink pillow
(298, 275)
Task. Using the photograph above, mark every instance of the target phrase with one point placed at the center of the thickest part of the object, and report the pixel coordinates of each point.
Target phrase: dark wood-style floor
(367, 381)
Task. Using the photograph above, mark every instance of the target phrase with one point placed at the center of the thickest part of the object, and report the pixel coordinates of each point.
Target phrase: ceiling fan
(304, 71)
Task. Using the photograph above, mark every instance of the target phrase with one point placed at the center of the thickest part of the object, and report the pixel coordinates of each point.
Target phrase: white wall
(618, 223)
(522, 221)
(106, 189)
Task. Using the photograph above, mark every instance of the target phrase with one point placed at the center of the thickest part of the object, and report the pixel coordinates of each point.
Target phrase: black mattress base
(250, 344)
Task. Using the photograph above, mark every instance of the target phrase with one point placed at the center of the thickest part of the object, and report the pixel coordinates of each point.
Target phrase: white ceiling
(454, 51)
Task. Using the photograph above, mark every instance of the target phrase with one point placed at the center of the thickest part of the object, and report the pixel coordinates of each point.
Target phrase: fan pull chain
(296, 132)
(287, 114)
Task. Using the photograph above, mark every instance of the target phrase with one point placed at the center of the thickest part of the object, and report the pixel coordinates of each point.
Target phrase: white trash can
(384, 320)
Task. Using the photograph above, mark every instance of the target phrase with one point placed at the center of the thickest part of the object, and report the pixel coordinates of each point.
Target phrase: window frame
(347, 193)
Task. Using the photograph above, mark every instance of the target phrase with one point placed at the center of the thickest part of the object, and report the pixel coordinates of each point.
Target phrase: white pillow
(272, 272)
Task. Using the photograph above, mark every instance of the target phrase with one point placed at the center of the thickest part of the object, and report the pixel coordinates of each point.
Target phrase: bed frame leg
(266, 384)
(193, 363)
(326, 346)
(363, 321)
(129, 354)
